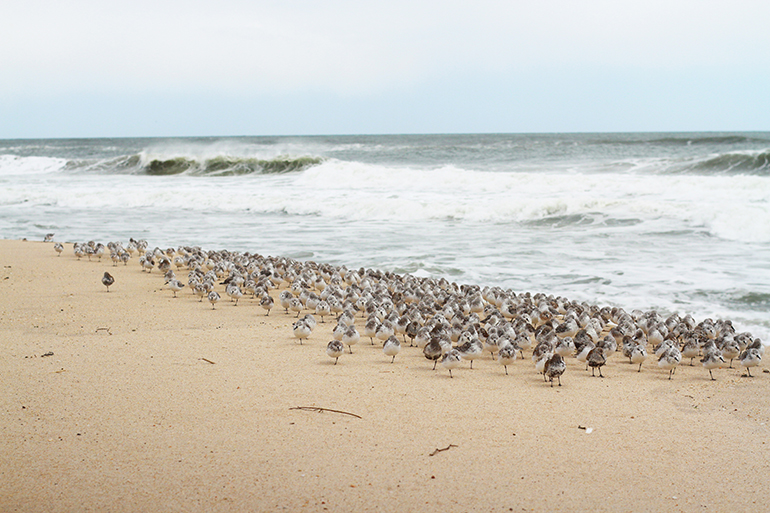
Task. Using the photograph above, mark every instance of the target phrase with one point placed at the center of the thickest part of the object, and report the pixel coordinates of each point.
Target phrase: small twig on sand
(442, 450)
(104, 329)
(207, 360)
(319, 409)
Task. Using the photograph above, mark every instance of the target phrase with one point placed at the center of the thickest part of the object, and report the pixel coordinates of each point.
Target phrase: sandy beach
(133, 400)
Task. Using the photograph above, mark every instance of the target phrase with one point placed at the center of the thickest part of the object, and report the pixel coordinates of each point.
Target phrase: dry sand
(126, 415)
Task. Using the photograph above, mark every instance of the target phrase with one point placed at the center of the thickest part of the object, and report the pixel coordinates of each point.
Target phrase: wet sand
(147, 402)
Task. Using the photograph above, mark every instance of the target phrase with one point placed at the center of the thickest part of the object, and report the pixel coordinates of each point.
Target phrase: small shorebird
(432, 351)
(750, 358)
(370, 328)
(350, 337)
(301, 330)
(451, 360)
(107, 280)
(596, 360)
(731, 350)
(175, 285)
(565, 346)
(391, 347)
(335, 349)
(339, 331)
(712, 360)
(638, 355)
(322, 309)
(48, 237)
(213, 298)
(690, 349)
(267, 303)
(669, 359)
(200, 291)
(555, 367)
(58, 247)
(385, 330)
(471, 350)
(506, 355)
(295, 305)
(285, 298)
(234, 291)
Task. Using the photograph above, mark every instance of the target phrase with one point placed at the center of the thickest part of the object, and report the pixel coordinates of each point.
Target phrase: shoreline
(136, 417)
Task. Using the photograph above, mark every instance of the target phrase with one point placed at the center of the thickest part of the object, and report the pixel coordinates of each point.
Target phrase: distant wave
(685, 140)
(735, 163)
(221, 165)
(228, 166)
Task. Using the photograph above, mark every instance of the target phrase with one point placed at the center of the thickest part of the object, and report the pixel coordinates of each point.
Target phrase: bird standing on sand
(335, 349)
(638, 355)
(750, 358)
(391, 347)
(596, 360)
(107, 280)
(712, 360)
(471, 350)
(350, 337)
(669, 359)
(285, 298)
(58, 247)
(175, 285)
(267, 303)
(432, 351)
(213, 298)
(555, 367)
(451, 360)
(506, 355)
(322, 309)
(301, 330)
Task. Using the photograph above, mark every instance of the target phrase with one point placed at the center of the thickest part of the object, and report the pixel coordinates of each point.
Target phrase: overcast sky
(178, 68)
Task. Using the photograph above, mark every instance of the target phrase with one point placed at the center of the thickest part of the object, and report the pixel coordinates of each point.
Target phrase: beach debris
(438, 450)
(104, 329)
(588, 430)
(49, 353)
(321, 410)
(208, 361)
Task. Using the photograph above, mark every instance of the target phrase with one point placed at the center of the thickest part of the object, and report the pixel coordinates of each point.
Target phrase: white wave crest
(729, 207)
(14, 165)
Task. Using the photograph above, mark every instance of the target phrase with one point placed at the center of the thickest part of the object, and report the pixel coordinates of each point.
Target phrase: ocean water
(678, 222)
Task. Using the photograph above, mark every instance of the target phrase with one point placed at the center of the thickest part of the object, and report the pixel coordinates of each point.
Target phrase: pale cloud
(357, 48)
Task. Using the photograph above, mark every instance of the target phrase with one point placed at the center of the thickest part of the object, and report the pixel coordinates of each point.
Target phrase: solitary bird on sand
(107, 280)
(335, 349)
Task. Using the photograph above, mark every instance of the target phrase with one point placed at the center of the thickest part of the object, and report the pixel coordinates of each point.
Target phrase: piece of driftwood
(319, 409)
(442, 450)
(209, 361)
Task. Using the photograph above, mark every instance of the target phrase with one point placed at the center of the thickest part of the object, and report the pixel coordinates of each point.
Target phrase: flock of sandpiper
(450, 323)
